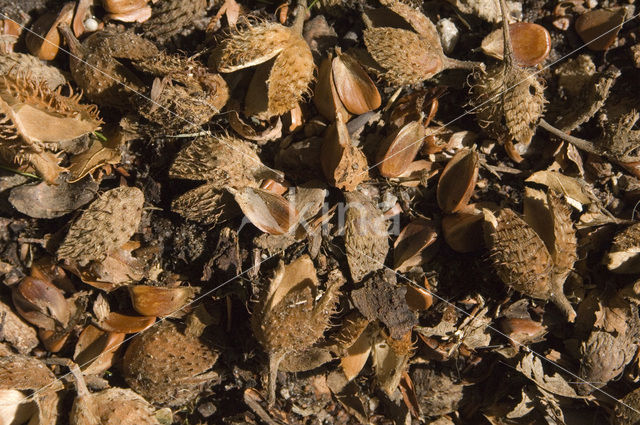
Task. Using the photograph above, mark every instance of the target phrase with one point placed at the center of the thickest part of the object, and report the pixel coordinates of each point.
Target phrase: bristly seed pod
(169, 366)
(289, 317)
(508, 100)
(34, 118)
(625, 251)
(224, 162)
(284, 60)
(365, 236)
(523, 261)
(106, 225)
(98, 68)
(408, 57)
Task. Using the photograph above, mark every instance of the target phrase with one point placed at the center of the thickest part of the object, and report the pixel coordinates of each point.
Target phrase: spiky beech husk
(287, 318)
(406, 58)
(98, 68)
(288, 82)
(508, 102)
(224, 162)
(184, 93)
(522, 260)
(519, 256)
(169, 366)
(34, 118)
(106, 225)
(252, 45)
(285, 66)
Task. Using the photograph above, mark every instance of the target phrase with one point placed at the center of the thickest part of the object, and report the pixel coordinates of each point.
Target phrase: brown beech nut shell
(41, 303)
(96, 349)
(158, 301)
(52, 340)
(122, 323)
(531, 43)
(414, 238)
(595, 27)
(268, 211)
(343, 164)
(326, 97)
(44, 41)
(357, 91)
(127, 10)
(463, 230)
(399, 149)
(418, 298)
(457, 181)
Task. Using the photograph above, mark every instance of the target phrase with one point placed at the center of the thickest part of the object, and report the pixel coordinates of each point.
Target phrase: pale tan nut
(106, 225)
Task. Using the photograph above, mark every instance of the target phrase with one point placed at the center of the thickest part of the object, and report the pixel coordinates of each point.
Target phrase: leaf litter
(233, 184)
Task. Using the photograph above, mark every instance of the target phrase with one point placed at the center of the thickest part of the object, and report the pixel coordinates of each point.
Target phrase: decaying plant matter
(309, 212)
